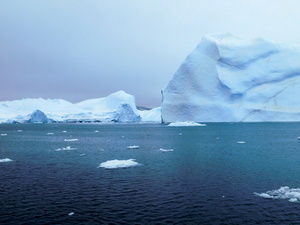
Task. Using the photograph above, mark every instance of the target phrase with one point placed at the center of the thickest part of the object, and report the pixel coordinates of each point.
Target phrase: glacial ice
(113, 164)
(229, 79)
(293, 194)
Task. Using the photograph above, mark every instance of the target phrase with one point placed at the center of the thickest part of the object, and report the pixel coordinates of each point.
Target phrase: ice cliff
(229, 79)
(117, 107)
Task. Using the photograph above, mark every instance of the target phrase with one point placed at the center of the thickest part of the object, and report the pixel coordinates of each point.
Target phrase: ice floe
(166, 150)
(68, 148)
(5, 160)
(133, 147)
(50, 133)
(241, 142)
(20, 130)
(64, 131)
(113, 164)
(73, 139)
(71, 213)
(292, 194)
(96, 131)
(186, 124)
(3, 134)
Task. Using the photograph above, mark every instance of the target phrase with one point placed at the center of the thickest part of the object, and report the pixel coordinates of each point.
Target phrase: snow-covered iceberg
(117, 107)
(229, 79)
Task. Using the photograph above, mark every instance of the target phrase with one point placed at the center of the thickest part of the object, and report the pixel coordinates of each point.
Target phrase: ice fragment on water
(166, 150)
(74, 139)
(68, 148)
(5, 160)
(292, 194)
(113, 164)
(133, 147)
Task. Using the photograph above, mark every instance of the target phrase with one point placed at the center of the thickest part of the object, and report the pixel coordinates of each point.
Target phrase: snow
(133, 147)
(5, 160)
(186, 124)
(229, 79)
(113, 164)
(116, 107)
(292, 194)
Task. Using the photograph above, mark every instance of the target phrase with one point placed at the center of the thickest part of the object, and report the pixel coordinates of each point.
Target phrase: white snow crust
(229, 79)
(113, 164)
(292, 194)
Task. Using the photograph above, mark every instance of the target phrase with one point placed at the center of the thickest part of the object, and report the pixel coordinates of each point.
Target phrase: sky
(82, 49)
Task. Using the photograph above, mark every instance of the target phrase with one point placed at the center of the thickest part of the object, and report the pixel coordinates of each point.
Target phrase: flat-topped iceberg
(229, 79)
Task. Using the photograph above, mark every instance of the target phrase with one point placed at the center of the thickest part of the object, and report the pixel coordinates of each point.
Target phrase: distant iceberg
(113, 164)
(117, 107)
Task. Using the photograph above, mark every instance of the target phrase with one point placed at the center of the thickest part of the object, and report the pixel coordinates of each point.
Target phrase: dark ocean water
(208, 179)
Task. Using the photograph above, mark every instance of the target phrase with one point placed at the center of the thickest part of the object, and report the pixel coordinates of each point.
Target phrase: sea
(221, 173)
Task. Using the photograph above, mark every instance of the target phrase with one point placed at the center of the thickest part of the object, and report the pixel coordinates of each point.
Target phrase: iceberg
(116, 107)
(229, 79)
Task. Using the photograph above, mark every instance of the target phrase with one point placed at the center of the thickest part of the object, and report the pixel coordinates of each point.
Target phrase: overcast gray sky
(80, 49)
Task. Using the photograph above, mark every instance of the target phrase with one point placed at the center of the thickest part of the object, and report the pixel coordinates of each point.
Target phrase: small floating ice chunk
(133, 147)
(50, 133)
(180, 133)
(166, 150)
(113, 164)
(241, 142)
(298, 137)
(68, 148)
(71, 213)
(5, 160)
(293, 194)
(82, 154)
(3, 134)
(73, 139)
(122, 136)
(64, 131)
(186, 124)
(96, 131)
(20, 130)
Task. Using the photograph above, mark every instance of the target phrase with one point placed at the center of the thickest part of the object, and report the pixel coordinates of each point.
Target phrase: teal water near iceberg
(182, 175)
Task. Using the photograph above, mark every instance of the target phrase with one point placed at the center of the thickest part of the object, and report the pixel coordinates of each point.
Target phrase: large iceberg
(117, 107)
(229, 79)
